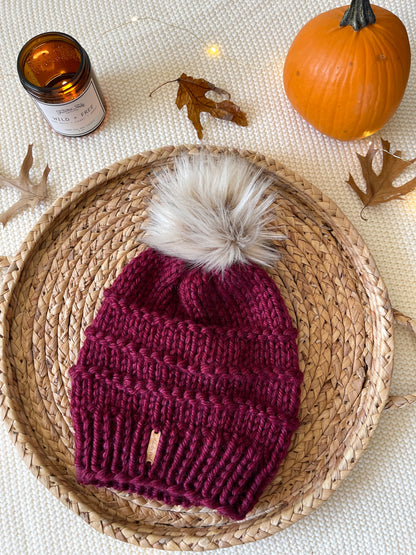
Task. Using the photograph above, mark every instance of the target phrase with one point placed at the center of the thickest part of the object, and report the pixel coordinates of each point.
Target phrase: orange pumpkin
(348, 83)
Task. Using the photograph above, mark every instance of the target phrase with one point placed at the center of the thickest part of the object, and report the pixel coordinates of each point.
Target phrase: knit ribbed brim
(216, 464)
(208, 361)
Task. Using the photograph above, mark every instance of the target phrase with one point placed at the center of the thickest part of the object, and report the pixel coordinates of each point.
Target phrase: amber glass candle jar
(56, 71)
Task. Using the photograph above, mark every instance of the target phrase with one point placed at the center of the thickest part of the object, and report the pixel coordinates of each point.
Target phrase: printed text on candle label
(77, 117)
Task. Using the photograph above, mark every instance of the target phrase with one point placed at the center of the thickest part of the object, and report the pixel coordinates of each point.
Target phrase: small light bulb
(213, 50)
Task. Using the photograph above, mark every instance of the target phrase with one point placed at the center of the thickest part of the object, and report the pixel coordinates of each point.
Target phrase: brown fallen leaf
(192, 94)
(380, 186)
(30, 193)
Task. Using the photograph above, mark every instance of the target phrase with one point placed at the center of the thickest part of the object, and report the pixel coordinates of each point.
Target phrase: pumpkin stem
(358, 15)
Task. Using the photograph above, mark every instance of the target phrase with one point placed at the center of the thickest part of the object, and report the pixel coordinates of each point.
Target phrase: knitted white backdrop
(374, 509)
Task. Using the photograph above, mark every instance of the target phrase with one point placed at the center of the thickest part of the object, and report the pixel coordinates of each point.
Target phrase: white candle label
(77, 117)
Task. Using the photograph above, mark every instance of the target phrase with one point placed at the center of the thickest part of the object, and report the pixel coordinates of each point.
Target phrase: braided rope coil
(335, 297)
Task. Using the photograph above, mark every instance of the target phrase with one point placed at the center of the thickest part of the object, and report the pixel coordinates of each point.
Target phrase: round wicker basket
(331, 286)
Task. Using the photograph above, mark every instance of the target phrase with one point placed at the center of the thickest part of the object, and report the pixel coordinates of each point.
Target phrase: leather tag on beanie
(152, 446)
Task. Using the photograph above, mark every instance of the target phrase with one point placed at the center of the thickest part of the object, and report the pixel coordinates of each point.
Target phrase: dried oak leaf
(380, 186)
(30, 193)
(192, 94)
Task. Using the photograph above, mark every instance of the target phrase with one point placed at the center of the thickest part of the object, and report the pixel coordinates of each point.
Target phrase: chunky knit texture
(209, 361)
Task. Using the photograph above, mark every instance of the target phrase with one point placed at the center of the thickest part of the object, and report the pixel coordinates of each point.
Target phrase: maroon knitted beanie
(186, 389)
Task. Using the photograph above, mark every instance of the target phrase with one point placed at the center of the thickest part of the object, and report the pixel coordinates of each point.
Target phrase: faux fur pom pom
(213, 212)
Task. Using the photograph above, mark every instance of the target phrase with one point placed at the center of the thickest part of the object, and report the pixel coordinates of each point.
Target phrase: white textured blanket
(374, 510)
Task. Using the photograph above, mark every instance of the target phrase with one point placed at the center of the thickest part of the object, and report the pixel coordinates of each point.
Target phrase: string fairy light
(135, 19)
(371, 144)
(211, 49)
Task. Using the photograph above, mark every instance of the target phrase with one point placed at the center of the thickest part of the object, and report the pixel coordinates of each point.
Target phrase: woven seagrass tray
(334, 293)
